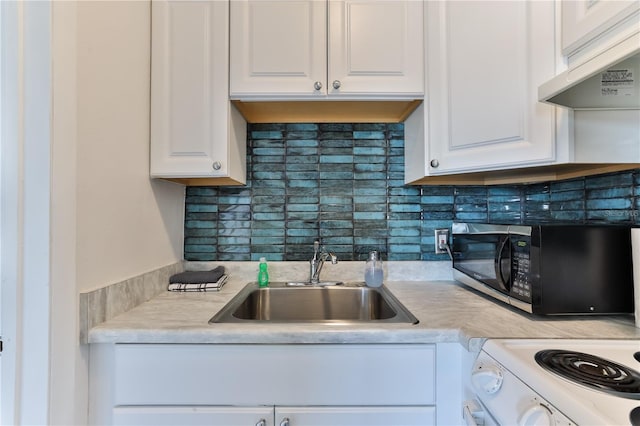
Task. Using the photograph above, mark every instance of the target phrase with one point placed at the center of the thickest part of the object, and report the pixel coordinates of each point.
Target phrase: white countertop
(446, 310)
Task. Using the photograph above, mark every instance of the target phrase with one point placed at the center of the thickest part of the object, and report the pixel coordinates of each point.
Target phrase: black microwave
(547, 269)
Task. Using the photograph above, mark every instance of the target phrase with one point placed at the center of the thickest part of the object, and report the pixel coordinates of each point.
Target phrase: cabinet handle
(317, 85)
(336, 84)
(216, 165)
(262, 422)
(434, 163)
(285, 422)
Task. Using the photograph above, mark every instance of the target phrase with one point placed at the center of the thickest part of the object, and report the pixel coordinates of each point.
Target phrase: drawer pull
(285, 422)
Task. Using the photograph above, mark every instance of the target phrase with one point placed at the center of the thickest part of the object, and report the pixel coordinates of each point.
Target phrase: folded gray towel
(197, 277)
(199, 287)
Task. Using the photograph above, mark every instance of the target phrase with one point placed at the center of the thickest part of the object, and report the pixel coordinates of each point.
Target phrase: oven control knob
(536, 415)
(487, 378)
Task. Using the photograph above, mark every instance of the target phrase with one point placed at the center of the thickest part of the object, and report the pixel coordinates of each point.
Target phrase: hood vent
(609, 80)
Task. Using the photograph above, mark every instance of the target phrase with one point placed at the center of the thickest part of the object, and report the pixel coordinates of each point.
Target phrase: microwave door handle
(504, 283)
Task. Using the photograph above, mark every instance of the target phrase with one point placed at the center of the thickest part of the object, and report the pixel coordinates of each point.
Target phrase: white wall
(127, 225)
(109, 221)
(80, 206)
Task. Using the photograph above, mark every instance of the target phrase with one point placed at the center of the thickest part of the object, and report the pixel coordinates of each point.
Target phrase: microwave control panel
(521, 267)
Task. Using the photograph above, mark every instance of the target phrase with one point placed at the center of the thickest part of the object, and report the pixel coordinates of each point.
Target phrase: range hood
(609, 80)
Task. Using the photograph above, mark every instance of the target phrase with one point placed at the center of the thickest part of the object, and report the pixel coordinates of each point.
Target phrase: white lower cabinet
(348, 416)
(268, 416)
(282, 385)
(192, 416)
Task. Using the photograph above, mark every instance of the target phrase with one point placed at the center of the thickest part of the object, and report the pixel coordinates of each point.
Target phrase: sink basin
(284, 303)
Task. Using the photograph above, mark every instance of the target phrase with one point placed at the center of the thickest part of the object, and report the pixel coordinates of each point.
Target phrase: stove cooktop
(592, 371)
(589, 381)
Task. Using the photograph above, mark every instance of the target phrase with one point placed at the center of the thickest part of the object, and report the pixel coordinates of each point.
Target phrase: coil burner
(592, 371)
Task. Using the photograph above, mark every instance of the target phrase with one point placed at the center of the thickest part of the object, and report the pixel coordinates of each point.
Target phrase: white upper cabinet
(600, 41)
(195, 131)
(484, 63)
(376, 48)
(278, 47)
(583, 21)
(351, 49)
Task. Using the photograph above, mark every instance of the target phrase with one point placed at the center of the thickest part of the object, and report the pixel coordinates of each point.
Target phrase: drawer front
(275, 374)
(350, 416)
(192, 416)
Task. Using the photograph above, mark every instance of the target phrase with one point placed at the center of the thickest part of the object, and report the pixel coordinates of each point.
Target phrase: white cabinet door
(264, 416)
(192, 416)
(278, 48)
(376, 48)
(584, 20)
(195, 132)
(482, 110)
(282, 49)
(350, 416)
(341, 384)
(341, 374)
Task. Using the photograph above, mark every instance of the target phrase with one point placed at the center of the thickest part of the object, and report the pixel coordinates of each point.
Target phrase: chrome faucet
(317, 261)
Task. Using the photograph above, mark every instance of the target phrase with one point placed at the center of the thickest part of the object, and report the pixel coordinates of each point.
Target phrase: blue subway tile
(609, 204)
(369, 215)
(616, 192)
(567, 185)
(370, 167)
(235, 244)
(344, 182)
(569, 215)
(369, 127)
(471, 216)
(374, 204)
(268, 232)
(369, 152)
(200, 257)
(200, 224)
(259, 216)
(368, 134)
(611, 180)
(332, 159)
(266, 134)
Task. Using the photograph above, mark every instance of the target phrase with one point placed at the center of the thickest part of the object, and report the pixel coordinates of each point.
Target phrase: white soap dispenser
(373, 270)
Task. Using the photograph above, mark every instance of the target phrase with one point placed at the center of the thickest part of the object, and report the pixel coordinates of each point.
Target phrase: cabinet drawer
(350, 416)
(191, 416)
(274, 374)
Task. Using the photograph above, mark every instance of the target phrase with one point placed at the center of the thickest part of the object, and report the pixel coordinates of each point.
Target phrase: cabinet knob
(285, 422)
(262, 422)
(216, 165)
(317, 85)
(434, 163)
(336, 84)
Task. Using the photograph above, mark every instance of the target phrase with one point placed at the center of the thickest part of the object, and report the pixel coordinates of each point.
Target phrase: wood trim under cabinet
(525, 175)
(205, 181)
(322, 111)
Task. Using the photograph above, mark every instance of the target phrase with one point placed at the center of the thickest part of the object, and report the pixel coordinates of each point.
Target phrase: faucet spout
(317, 262)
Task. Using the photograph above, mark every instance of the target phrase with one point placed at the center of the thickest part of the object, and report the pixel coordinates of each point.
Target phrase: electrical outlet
(441, 240)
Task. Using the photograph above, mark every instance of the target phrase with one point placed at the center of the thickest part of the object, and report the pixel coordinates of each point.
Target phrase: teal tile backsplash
(344, 184)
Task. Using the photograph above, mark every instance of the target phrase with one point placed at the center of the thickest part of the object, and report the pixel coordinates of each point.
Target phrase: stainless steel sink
(286, 303)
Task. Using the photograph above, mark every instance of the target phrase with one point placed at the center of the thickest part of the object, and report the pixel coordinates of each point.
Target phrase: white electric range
(556, 382)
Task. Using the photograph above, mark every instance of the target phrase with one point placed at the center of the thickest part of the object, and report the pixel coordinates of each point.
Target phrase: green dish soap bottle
(263, 274)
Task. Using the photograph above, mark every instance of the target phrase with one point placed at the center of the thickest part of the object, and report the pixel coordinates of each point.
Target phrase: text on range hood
(609, 80)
